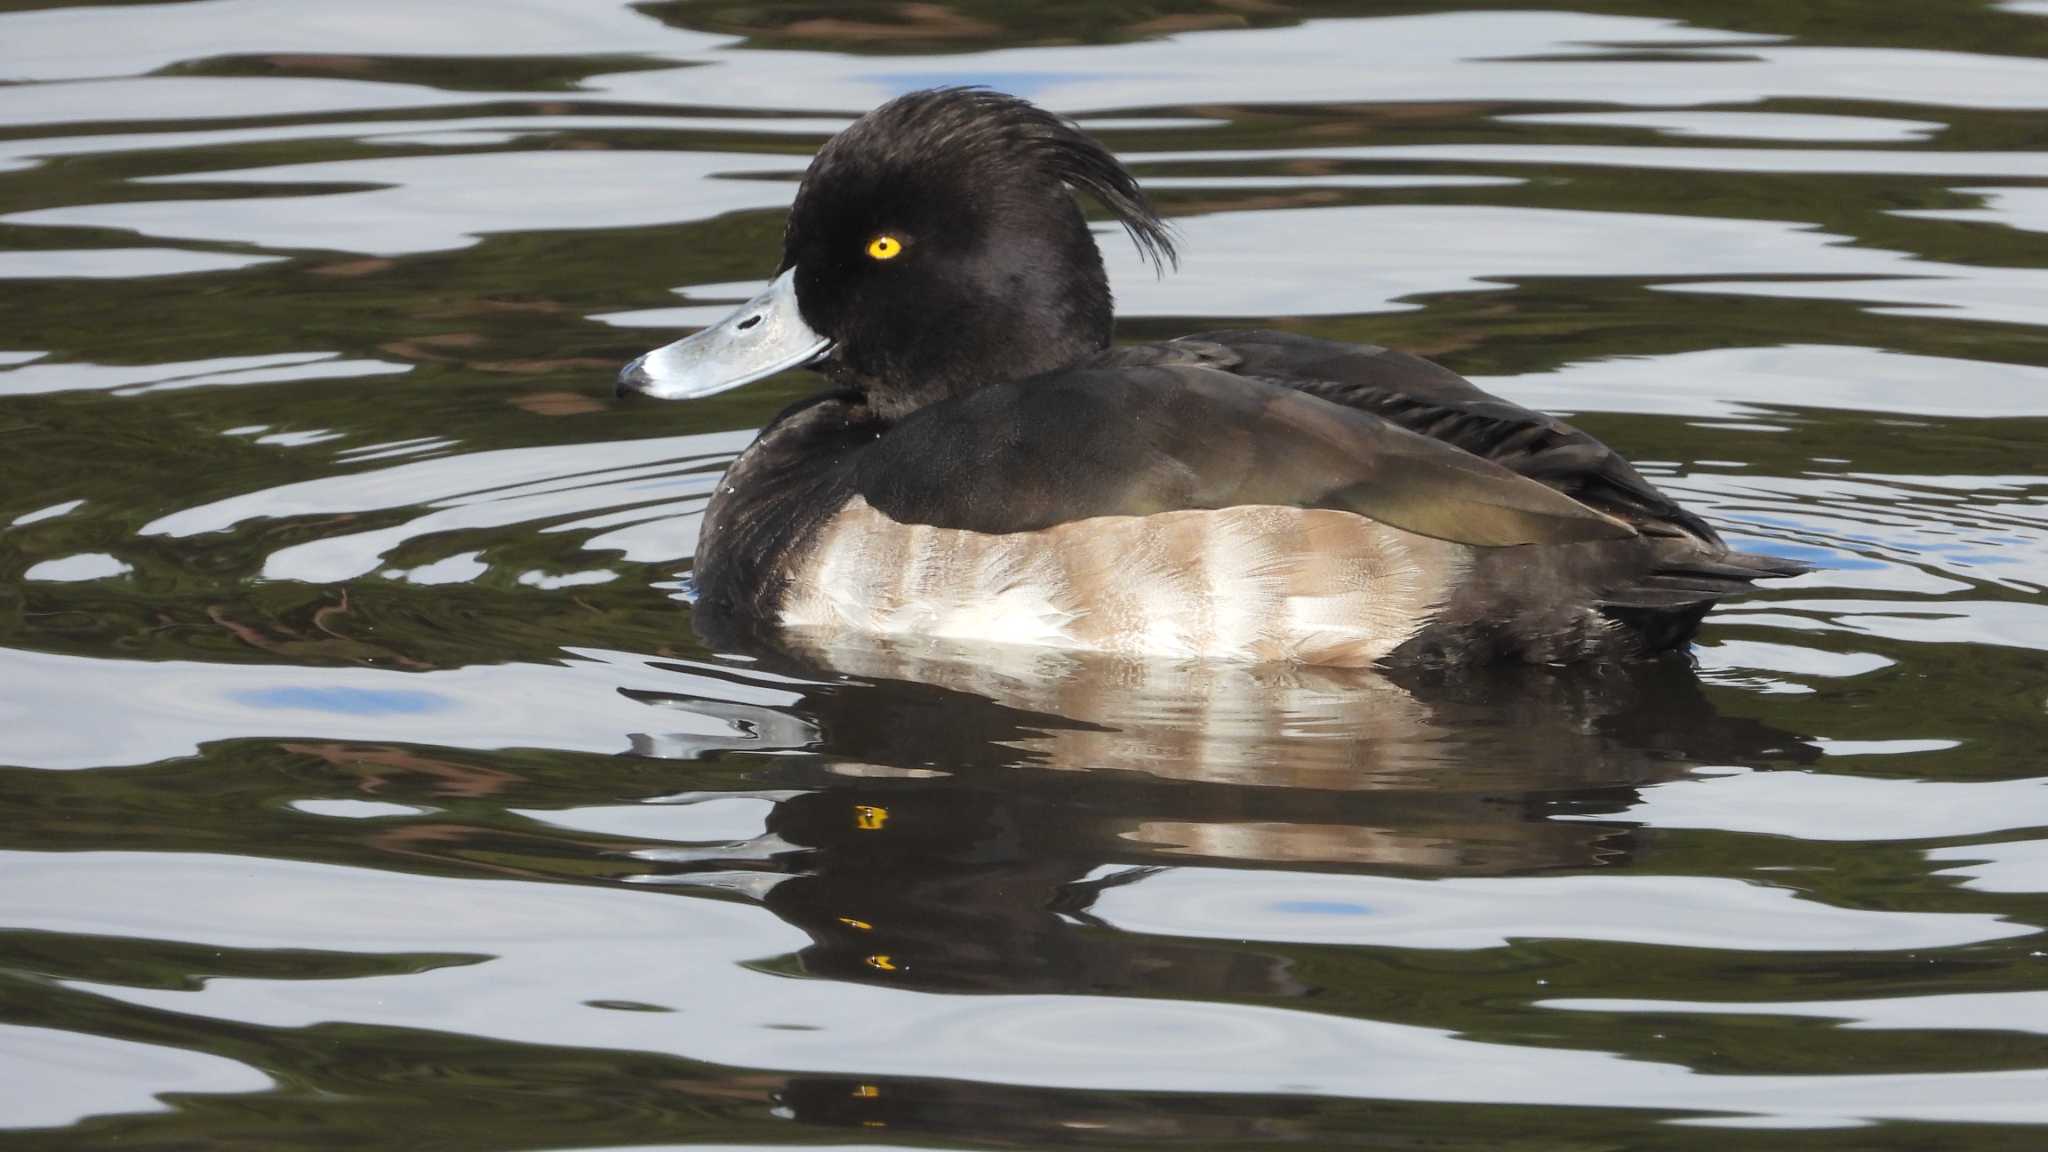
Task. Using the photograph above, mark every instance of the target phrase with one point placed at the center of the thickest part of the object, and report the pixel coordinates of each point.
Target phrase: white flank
(1262, 584)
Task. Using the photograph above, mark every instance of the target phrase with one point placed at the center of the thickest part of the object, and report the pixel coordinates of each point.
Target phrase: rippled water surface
(365, 784)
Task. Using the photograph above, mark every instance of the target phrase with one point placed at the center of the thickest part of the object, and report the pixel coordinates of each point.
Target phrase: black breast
(772, 499)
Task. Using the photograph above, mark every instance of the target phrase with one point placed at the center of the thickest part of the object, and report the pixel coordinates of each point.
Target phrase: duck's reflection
(972, 804)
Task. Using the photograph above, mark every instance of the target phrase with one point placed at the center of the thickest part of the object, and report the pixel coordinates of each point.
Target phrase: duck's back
(1429, 399)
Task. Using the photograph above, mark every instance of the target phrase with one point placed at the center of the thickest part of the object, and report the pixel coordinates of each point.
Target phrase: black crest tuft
(968, 120)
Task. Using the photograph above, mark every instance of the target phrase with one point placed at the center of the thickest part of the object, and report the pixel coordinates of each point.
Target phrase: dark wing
(1133, 441)
(1438, 403)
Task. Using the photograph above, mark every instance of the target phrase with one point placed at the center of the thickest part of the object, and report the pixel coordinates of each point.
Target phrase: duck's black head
(938, 244)
(935, 246)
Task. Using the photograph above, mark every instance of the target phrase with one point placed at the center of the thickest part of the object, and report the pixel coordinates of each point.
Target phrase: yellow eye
(885, 248)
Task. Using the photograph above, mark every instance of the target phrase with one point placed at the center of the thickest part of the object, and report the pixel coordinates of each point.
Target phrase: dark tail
(1665, 606)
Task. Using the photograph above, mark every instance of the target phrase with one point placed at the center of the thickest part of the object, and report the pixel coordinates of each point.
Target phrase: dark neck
(788, 481)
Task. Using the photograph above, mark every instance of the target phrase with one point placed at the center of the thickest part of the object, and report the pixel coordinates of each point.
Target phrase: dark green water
(364, 785)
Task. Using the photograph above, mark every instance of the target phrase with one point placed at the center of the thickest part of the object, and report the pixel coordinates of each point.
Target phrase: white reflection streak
(55, 1078)
(1745, 125)
(323, 370)
(48, 513)
(332, 559)
(2022, 208)
(129, 379)
(119, 263)
(1379, 258)
(442, 203)
(449, 478)
(83, 566)
(16, 153)
(477, 490)
(2000, 623)
(1967, 1011)
(1811, 161)
(1489, 912)
(2018, 866)
(712, 820)
(71, 44)
(76, 712)
(1836, 807)
(1743, 382)
(556, 946)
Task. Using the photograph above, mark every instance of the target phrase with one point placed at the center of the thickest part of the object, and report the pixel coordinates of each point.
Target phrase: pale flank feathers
(1254, 582)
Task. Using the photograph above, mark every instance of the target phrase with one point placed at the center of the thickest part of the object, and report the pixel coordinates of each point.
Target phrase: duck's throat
(896, 386)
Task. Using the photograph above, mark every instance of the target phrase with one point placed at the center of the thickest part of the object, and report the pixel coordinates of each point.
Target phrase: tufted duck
(986, 466)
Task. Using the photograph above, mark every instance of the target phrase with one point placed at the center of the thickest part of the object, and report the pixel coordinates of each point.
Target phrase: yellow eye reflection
(885, 248)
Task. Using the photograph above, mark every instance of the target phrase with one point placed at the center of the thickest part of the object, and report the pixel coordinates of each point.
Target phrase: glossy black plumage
(975, 390)
(1000, 277)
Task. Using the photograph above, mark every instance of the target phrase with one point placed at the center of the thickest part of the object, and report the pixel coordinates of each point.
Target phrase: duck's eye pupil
(884, 247)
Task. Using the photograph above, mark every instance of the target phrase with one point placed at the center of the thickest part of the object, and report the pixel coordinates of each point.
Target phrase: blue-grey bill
(765, 336)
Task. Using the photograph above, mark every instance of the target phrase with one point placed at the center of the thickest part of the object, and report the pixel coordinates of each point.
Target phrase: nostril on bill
(749, 322)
